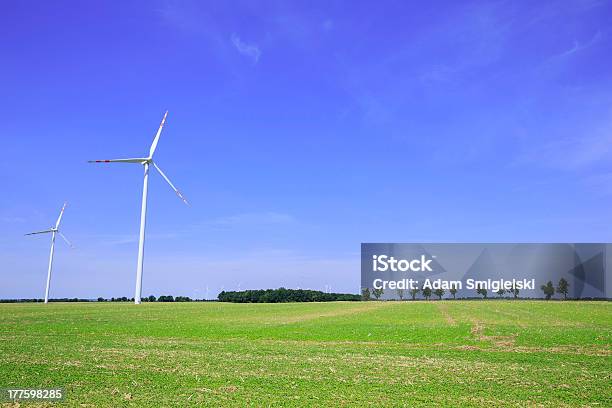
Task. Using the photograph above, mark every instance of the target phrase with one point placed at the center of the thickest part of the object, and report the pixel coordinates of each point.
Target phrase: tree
(439, 293)
(453, 291)
(101, 299)
(500, 292)
(426, 293)
(152, 298)
(414, 292)
(377, 293)
(400, 293)
(482, 291)
(548, 290)
(563, 287)
(165, 298)
(365, 294)
(514, 291)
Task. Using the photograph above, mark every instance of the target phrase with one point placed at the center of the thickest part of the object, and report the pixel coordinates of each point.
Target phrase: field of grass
(469, 353)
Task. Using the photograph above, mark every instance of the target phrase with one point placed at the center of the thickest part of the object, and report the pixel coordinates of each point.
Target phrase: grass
(468, 353)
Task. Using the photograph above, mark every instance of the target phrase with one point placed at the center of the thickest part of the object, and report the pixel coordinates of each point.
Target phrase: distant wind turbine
(53, 231)
(145, 161)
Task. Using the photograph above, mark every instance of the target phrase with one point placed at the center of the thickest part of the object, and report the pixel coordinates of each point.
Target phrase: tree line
(151, 298)
(549, 290)
(35, 300)
(283, 295)
(165, 298)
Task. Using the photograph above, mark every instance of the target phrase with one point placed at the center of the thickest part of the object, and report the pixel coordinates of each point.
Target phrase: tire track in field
(366, 307)
(514, 317)
(477, 331)
(443, 308)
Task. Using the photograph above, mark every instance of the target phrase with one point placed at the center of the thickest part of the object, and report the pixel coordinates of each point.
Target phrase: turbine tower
(53, 231)
(146, 162)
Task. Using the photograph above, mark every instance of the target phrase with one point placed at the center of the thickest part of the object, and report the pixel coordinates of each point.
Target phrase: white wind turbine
(145, 161)
(53, 231)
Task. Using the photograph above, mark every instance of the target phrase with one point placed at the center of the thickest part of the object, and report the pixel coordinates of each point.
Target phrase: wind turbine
(53, 231)
(145, 161)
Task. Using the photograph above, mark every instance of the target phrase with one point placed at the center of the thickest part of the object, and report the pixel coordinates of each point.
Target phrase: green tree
(377, 293)
(439, 293)
(548, 290)
(182, 299)
(414, 292)
(426, 292)
(514, 291)
(563, 287)
(152, 298)
(453, 291)
(101, 299)
(166, 298)
(400, 293)
(482, 291)
(500, 292)
(365, 294)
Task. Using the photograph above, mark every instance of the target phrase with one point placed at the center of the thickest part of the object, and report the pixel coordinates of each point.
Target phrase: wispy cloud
(574, 151)
(328, 25)
(249, 50)
(579, 46)
(265, 218)
(9, 219)
(132, 238)
(599, 184)
(438, 73)
(252, 269)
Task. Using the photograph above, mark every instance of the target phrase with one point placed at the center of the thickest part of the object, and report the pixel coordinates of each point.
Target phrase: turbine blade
(135, 160)
(178, 193)
(40, 232)
(65, 239)
(60, 216)
(156, 140)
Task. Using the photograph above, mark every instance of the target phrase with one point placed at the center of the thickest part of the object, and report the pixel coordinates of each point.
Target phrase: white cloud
(250, 50)
(578, 46)
(573, 151)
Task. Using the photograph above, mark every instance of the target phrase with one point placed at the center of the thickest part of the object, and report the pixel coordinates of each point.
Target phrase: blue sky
(297, 130)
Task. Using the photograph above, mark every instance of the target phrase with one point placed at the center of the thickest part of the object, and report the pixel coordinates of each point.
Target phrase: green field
(469, 353)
